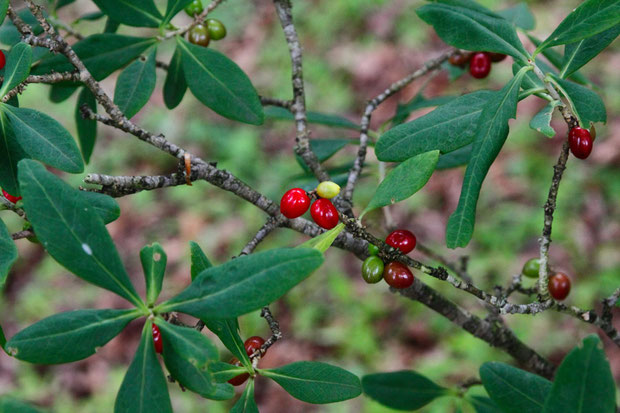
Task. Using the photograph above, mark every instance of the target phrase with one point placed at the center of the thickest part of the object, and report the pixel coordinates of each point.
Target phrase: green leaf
(11, 405)
(200, 262)
(135, 85)
(315, 382)
(578, 54)
(2, 339)
(86, 128)
(154, 259)
(59, 92)
(44, 139)
(144, 388)
(401, 390)
(105, 206)
(245, 284)
(583, 382)
(541, 122)
(175, 84)
(8, 253)
(17, 67)
(228, 332)
(456, 158)
(512, 389)
(483, 404)
(418, 102)
(490, 136)
(111, 25)
(325, 240)
(519, 15)
(590, 18)
(404, 180)
(70, 336)
(140, 13)
(102, 54)
(4, 6)
(173, 8)
(72, 231)
(10, 153)
(556, 60)
(278, 113)
(225, 371)
(246, 403)
(472, 29)
(323, 149)
(587, 105)
(220, 84)
(447, 128)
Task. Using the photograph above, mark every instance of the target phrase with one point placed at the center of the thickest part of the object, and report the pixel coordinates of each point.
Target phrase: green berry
(373, 249)
(195, 7)
(372, 269)
(199, 35)
(531, 268)
(217, 30)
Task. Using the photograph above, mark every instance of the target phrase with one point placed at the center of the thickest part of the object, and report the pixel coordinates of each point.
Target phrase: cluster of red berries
(202, 33)
(558, 285)
(295, 202)
(395, 273)
(580, 141)
(11, 198)
(252, 345)
(479, 62)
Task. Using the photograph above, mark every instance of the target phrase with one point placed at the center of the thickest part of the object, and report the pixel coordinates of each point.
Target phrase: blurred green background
(353, 49)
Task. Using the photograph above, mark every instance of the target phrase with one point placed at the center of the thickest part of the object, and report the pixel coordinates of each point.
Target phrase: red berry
(402, 239)
(240, 379)
(480, 65)
(159, 346)
(460, 59)
(580, 142)
(294, 203)
(10, 197)
(2, 59)
(559, 286)
(397, 275)
(253, 344)
(497, 57)
(324, 213)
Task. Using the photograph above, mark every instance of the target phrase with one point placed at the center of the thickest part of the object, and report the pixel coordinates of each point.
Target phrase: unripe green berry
(199, 35)
(372, 269)
(373, 249)
(195, 7)
(217, 30)
(328, 189)
(531, 268)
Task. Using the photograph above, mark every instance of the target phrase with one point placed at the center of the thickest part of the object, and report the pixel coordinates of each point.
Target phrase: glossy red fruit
(580, 142)
(159, 345)
(397, 275)
(324, 213)
(294, 203)
(253, 344)
(10, 197)
(460, 59)
(497, 57)
(402, 239)
(480, 65)
(240, 379)
(559, 286)
(2, 59)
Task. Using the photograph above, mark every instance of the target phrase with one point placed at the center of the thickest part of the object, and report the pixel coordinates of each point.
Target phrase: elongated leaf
(86, 128)
(111, 25)
(44, 139)
(578, 54)
(483, 404)
(588, 105)
(135, 85)
(323, 149)
(472, 29)
(590, 18)
(17, 67)
(154, 259)
(175, 85)
(541, 122)
(327, 119)
(583, 382)
(556, 59)
(401, 390)
(70, 336)
(105, 206)
(2, 339)
(325, 240)
(520, 15)
(144, 388)
(102, 54)
(456, 158)
(11, 405)
(4, 6)
(72, 231)
(222, 372)
(200, 262)
(141, 13)
(173, 8)
(514, 390)
(10, 153)
(59, 92)
(245, 284)
(404, 180)
(418, 102)
(447, 128)
(246, 403)
(315, 382)
(228, 332)
(490, 135)
(220, 84)
(8, 253)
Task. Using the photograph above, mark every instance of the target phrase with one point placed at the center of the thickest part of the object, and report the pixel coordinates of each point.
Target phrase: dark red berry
(559, 286)
(497, 57)
(397, 275)
(324, 213)
(402, 239)
(240, 379)
(580, 142)
(10, 197)
(159, 345)
(294, 203)
(460, 58)
(480, 65)
(253, 344)
(2, 59)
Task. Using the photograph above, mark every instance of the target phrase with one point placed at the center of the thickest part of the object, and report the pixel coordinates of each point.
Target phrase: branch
(271, 224)
(22, 234)
(49, 79)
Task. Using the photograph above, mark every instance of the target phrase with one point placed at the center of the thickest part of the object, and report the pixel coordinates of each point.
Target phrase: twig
(22, 234)
(49, 79)
(271, 224)
(267, 101)
(274, 326)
